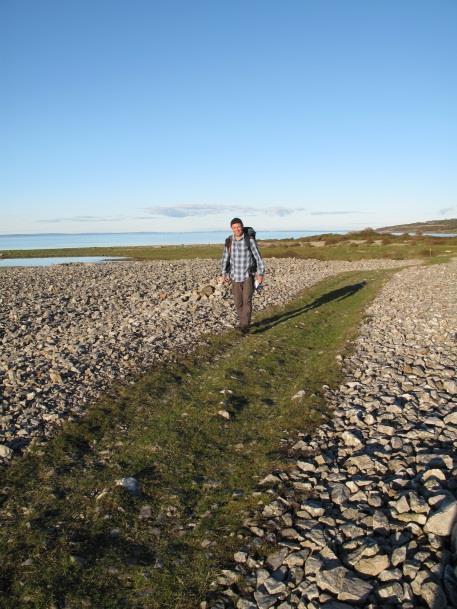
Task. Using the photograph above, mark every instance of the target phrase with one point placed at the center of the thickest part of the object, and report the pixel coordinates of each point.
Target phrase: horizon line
(295, 230)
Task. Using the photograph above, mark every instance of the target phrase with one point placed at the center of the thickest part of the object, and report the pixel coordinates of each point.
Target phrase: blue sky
(177, 115)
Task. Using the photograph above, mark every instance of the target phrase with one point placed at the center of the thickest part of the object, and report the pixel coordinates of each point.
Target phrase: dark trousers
(242, 295)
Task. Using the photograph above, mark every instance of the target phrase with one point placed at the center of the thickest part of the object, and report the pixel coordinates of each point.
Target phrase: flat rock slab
(343, 584)
(442, 520)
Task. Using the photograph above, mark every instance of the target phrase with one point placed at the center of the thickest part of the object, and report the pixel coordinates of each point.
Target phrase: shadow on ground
(340, 294)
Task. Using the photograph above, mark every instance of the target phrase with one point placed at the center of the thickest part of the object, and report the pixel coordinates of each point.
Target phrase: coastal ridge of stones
(67, 332)
(365, 515)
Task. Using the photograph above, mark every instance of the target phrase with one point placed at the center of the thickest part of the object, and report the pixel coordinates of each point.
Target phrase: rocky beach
(67, 332)
(365, 514)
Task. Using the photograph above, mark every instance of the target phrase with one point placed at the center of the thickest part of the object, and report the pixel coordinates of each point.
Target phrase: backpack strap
(247, 240)
(228, 245)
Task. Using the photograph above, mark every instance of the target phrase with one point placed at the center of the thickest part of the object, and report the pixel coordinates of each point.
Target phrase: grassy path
(71, 538)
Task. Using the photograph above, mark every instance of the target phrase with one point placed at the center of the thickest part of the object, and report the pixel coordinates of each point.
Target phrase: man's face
(237, 229)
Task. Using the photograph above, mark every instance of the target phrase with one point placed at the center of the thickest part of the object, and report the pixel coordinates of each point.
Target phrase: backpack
(249, 233)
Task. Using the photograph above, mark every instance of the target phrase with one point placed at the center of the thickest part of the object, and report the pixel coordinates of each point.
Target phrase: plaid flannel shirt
(240, 260)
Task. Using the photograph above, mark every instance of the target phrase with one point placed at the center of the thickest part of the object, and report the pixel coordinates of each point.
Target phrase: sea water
(61, 240)
(54, 260)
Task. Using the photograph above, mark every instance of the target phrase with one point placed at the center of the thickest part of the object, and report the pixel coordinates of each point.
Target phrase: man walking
(240, 262)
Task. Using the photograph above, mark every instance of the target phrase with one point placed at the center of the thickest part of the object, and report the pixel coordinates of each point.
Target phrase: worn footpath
(365, 515)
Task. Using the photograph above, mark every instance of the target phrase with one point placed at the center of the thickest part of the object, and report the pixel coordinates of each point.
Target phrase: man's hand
(259, 279)
(224, 279)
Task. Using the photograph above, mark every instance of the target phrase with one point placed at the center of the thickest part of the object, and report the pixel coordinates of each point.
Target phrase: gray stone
(224, 414)
(296, 559)
(419, 580)
(276, 559)
(451, 418)
(309, 591)
(318, 537)
(130, 484)
(300, 394)
(373, 565)
(343, 584)
(264, 601)
(290, 533)
(314, 508)
(396, 443)
(313, 565)
(339, 494)
(273, 509)
(401, 505)
(412, 517)
(351, 531)
(450, 387)
(361, 462)
(304, 465)
(440, 522)
(380, 522)
(240, 557)
(261, 576)
(411, 568)
(391, 590)
(387, 430)
(398, 556)
(390, 575)
(418, 504)
(5, 452)
(274, 586)
(434, 473)
(270, 480)
(352, 438)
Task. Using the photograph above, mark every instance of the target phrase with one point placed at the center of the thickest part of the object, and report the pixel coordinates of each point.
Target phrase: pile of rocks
(365, 516)
(66, 332)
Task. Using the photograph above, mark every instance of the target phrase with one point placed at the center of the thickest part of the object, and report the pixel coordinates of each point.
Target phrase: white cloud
(59, 220)
(179, 211)
(336, 213)
(187, 210)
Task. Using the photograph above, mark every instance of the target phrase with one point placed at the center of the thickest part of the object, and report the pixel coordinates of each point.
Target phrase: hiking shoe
(244, 331)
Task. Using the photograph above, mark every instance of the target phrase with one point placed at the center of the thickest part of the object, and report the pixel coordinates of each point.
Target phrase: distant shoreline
(448, 226)
(58, 241)
(181, 232)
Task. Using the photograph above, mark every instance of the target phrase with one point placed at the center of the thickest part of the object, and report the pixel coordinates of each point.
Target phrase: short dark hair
(236, 221)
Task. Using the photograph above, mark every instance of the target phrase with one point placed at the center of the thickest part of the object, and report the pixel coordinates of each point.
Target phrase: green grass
(354, 246)
(140, 252)
(71, 538)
